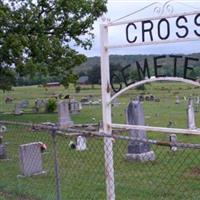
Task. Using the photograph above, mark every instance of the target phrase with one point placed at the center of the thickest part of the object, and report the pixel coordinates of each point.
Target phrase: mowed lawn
(173, 175)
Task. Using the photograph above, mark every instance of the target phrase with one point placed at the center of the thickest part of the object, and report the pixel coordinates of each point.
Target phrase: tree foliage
(40, 35)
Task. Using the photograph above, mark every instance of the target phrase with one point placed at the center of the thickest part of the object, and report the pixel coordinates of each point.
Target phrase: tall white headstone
(190, 115)
(63, 115)
(137, 149)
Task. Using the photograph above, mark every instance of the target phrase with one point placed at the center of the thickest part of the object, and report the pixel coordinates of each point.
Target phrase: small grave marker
(81, 143)
(173, 139)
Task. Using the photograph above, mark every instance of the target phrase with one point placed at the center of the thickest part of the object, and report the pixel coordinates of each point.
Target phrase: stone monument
(173, 139)
(137, 149)
(177, 100)
(3, 152)
(81, 143)
(74, 106)
(63, 115)
(31, 159)
(18, 109)
(190, 115)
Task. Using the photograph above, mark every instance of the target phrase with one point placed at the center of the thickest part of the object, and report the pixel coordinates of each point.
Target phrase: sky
(117, 35)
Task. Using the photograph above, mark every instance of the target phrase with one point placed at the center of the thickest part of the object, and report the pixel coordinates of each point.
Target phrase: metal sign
(170, 28)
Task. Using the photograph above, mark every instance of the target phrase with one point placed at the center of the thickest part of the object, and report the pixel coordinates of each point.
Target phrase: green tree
(40, 35)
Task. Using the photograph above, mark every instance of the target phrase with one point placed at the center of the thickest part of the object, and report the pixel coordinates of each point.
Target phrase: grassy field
(171, 176)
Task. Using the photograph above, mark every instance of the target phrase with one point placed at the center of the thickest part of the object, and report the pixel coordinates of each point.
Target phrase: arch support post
(106, 111)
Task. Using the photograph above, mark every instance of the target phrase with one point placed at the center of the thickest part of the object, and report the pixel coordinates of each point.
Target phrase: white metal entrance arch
(106, 91)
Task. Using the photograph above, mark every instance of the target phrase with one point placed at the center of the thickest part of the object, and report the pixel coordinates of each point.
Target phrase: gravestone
(30, 159)
(173, 139)
(115, 102)
(38, 104)
(3, 154)
(190, 115)
(74, 106)
(63, 115)
(137, 149)
(177, 100)
(81, 143)
(18, 109)
(197, 100)
(24, 103)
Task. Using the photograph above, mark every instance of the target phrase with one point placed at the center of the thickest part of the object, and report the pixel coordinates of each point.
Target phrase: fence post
(56, 165)
(106, 110)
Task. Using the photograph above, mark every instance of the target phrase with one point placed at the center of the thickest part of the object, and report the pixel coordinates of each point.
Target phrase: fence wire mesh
(80, 175)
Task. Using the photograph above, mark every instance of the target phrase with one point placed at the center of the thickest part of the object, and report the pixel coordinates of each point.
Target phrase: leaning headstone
(63, 115)
(138, 148)
(31, 159)
(173, 139)
(190, 115)
(177, 100)
(81, 143)
(18, 109)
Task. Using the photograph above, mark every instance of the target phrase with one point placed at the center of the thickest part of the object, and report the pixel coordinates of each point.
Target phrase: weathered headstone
(190, 115)
(197, 100)
(31, 159)
(115, 102)
(177, 100)
(63, 115)
(38, 104)
(74, 106)
(81, 143)
(24, 103)
(173, 139)
(18, 109)
(3, 153)
(138, 149)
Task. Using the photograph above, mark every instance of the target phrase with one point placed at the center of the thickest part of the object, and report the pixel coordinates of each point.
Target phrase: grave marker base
(141, 157)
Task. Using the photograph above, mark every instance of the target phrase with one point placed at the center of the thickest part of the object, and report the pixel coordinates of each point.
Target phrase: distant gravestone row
(149, 97)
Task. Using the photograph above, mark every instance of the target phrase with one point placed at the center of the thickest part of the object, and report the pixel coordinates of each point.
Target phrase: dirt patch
(195, 171)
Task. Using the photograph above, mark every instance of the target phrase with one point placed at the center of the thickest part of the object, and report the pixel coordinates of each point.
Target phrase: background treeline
(91, 68)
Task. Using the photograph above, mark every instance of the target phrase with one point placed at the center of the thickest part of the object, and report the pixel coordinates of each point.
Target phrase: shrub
(51, 106)
(78, 88)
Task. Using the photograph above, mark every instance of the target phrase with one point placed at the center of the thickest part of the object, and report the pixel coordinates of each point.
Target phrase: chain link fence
(68, 173)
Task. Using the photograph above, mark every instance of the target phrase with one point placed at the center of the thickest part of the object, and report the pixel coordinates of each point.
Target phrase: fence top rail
(158, 129)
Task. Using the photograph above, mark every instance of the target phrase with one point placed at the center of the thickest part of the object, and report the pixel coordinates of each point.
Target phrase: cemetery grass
(82, 173)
